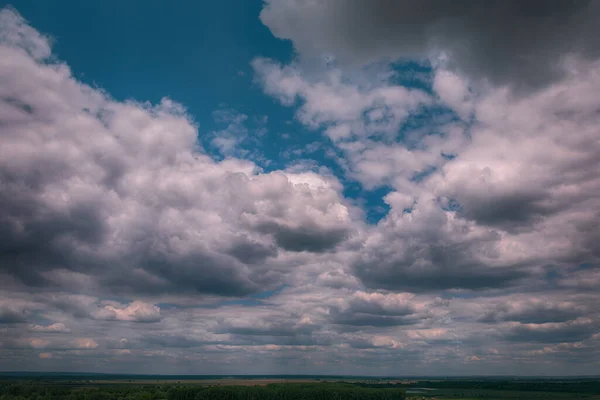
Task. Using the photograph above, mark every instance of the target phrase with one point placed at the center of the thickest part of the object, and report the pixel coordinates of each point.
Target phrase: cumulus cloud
(534, 311)
(473, 35)
(469, 209)
(552, 332)
(115, 191)
(428, 248)
(57, 327)
(9, 315)
(377, 309)
(16, 310)
(136, 311)
(344, 108)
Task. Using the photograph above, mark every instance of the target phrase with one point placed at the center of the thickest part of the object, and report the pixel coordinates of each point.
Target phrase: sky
(365, 187)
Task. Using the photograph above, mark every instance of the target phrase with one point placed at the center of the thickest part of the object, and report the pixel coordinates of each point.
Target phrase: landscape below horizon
(149, 387)
(354, 192)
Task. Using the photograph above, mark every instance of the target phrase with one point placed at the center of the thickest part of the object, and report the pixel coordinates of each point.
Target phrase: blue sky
(198, 55)
(299, 187)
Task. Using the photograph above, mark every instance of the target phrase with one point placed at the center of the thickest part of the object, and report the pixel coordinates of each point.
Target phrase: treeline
(38, 391)
(289, 391)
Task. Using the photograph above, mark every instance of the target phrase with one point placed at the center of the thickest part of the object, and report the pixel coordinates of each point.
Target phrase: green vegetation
(82, 388)
(589, 386)
(291, 391)
(497, 389)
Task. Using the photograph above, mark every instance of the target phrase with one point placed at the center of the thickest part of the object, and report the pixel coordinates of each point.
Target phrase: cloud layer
(474, 35)
(124, 240)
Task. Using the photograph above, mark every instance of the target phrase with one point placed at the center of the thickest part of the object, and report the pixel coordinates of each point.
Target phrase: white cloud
(84, 343)
(454, 92)
(344, 108)
(57, 327)
(136, 311)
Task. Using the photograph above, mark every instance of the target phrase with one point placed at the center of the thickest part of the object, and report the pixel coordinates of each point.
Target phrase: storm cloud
(474, 36)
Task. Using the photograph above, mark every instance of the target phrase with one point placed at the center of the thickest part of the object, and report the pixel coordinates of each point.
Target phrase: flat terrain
(148, 387)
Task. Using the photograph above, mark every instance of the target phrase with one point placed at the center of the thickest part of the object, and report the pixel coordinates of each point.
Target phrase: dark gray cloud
(432, 260)
(534, 312)
(374, 320)
(307, 238)
(172, 341)
(513, 41)
(376, 310)
(570, 331)
(11, 316)
(441, 275)
(251, 252)
(505, 210)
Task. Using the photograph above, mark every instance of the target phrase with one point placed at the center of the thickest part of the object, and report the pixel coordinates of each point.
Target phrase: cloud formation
(116, 192)
(468, 33)
(123, 239)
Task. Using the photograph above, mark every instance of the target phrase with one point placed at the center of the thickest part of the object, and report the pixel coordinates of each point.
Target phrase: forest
(291, 391)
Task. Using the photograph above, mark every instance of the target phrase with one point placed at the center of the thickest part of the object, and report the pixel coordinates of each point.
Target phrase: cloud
(116, 191)
(469, 210)
(469, 34)
(453, 90)
(57, 327)
(534, 311)
(136, 311)
(8, 316)
(122, 240)
(228, 139)
(344, 107)
(552, 332)
(376, 309)
(429, 249)
(54, 343)
(15, 310)
(84, 343)
(11, 316)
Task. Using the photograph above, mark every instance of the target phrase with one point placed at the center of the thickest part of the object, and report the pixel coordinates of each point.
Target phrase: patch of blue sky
(370, 201)
(430, 120)
(198, 55)
(413, 75)
(452, 205)
(255, 299)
